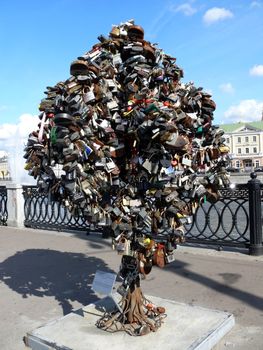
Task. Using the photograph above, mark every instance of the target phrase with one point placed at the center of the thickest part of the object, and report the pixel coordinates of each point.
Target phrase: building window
(246, 139)
(257, 163)
(254, 138)
(247, 150)
(239, 139)
(248, 164)
(239, 150)
(254, 149)
(237, 164)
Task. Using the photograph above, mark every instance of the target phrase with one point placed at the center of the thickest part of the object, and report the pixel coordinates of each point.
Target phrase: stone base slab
(186, 327)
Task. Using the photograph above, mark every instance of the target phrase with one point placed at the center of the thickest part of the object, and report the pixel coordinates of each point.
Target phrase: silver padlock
(169, 258)
(88, 95)
(186, 160)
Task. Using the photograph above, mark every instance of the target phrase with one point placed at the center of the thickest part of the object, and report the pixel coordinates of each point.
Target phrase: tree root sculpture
(139, 317)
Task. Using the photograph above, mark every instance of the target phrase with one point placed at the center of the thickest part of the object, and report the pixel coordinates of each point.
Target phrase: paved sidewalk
(45, 274)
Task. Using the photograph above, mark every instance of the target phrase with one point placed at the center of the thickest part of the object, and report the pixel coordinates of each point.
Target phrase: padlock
(147, 165)
(171, 196)
(172, 140)
(200, 191)
(113, 105)
(121, 244)
(186, 160)
(77, 197)
(116, 211)
(88, 95)
(223, 149)
(154, 167)
(118, 151)
(85, 185)
(169, 258)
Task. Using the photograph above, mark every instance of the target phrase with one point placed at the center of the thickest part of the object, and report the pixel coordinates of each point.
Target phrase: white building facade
(245, 141)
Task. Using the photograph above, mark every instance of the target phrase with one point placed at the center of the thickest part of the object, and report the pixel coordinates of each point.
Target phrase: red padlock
(174, 162)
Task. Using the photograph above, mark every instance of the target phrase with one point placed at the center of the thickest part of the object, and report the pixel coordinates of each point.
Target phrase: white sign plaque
(103, 282)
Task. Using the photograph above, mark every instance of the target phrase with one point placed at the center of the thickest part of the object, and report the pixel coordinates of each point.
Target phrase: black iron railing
(40, 212)
(3, 206)
(225, 222)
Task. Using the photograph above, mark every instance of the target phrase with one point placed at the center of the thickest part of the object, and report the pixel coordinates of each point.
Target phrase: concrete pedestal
(15, 205)
(186, 327)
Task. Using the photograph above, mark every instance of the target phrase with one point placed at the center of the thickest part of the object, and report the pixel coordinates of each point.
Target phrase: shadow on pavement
(43, 272)
(95, 239)
(254, 301)
(68, 277)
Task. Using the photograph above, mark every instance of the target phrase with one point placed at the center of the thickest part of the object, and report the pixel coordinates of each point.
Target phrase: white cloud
(227, 88)
(13, 133)
(257, 70)
(255, 4)
(13, 138)
(245, 111)
(186, 8)
(6, 131)
(3, 154)
(216, 14)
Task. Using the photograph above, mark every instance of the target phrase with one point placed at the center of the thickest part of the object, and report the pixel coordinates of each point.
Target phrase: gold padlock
(224, 149)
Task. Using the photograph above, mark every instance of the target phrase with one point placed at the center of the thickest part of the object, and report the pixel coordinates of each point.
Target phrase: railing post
(3, 206)
(254, 192)
(15, 205)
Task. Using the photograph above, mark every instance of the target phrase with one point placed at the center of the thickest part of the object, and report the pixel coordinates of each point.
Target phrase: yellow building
(245, 141)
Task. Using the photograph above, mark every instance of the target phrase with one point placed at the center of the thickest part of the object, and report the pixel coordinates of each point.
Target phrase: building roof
(237, 126)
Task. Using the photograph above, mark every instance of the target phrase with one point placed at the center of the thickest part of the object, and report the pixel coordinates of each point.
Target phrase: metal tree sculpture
(130, 139)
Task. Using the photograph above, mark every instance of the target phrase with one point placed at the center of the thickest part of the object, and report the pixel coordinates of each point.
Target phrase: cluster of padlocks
(131, 140)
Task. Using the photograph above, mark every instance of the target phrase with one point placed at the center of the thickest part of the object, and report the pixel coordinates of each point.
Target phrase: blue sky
(219, 45)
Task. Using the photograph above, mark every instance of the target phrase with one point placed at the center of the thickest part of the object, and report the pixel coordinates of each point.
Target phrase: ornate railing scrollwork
(40, 212)
(225, 222)
(3, 206)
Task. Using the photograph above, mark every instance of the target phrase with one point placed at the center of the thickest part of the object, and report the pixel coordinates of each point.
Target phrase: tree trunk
(136, 311)
(139, 315)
